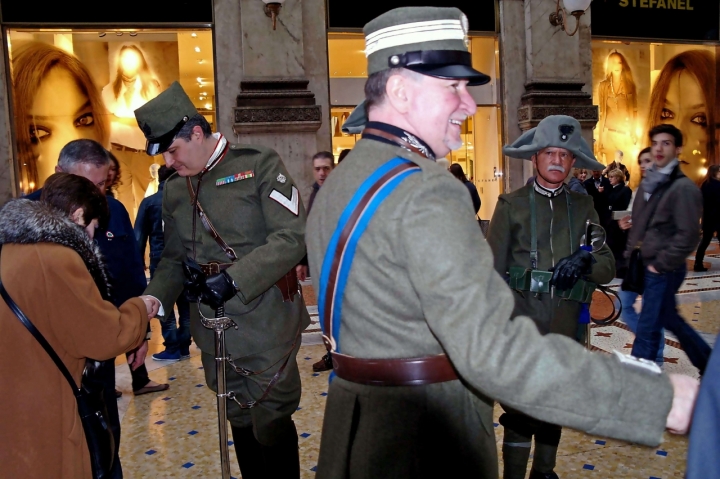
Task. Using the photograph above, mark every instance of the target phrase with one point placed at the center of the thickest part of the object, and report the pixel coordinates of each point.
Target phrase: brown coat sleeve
(88, 326)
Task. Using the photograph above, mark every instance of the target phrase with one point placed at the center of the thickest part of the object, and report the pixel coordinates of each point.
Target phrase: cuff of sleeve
(642, 407)
(161, 311)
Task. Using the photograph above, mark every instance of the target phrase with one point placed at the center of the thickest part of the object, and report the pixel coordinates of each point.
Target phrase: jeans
(176, 338)
(660, 310)
(631, 317)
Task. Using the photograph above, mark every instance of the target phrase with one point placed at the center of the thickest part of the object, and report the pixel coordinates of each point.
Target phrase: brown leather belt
(394, 372)
(288, 284)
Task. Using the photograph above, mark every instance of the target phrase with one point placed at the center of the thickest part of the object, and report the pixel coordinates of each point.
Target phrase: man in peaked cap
(246, 198)
(556, 217)
(415, 315)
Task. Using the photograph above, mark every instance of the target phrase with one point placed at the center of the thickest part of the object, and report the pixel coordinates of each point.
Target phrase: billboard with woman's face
(67, 86)
(639, 85)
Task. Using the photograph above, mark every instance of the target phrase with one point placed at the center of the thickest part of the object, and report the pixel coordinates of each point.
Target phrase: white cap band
(417, 32)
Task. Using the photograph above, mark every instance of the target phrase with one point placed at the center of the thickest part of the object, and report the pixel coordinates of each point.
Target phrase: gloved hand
(194, 280)
(217, 290)
(571, 268)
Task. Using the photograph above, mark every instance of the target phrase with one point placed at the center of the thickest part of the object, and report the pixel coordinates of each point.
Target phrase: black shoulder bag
(91, 406)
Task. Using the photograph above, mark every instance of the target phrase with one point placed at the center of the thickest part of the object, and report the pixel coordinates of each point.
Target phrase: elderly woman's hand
(152, 305)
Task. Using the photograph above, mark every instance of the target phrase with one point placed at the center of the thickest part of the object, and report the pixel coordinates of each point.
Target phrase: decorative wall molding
(543, 99)
(276, 105)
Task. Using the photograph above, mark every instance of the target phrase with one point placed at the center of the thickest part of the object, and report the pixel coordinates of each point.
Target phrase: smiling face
(437, 108)
(59, 114)
(685, 108)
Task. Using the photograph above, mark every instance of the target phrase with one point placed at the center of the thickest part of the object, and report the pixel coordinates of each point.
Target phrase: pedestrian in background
(576, 181)
(149, 226)
(458, 173)
(710, 190)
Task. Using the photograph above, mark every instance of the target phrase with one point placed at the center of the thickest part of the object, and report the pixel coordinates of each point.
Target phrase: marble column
(273, 86)
(555, 77)
(8, 184)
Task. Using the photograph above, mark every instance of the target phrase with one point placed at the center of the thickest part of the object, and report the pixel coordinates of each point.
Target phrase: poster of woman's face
(643, 85)
(58, 92)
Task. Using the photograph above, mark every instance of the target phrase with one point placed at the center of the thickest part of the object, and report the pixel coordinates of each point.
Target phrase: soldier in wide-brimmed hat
(417, 320)
(536, 235)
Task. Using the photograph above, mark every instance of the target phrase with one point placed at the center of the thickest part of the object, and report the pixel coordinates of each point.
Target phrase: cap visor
(160, 145)
(454, 72)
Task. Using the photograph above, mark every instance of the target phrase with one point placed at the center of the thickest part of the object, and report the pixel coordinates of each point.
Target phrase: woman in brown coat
(52, 269)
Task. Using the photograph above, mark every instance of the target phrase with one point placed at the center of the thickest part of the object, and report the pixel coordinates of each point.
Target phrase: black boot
(547, 440)
(539, 475)
(699, 267)
(516, 452)
(257, 461)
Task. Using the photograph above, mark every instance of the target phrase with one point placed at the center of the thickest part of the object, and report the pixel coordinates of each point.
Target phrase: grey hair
(83, 151)
(196, 120)
(377, 83)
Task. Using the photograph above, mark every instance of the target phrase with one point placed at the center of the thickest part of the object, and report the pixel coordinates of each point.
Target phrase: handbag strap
(341, 249)
(40, 338)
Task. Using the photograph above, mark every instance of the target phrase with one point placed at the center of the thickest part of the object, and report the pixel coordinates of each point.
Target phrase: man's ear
(198, 133)
(396, 92)
(534, 161)
(58, 169)
(77, 217)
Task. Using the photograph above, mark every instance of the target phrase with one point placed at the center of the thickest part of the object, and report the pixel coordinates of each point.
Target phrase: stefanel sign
(656, 19)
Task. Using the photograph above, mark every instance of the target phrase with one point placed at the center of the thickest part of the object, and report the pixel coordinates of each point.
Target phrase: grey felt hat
(161, 118)
(558, 131)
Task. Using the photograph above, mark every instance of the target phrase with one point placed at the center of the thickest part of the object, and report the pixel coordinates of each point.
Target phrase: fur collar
(24, 221)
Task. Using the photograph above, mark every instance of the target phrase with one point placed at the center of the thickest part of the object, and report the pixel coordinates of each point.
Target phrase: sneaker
(325, 364)
(166, 356)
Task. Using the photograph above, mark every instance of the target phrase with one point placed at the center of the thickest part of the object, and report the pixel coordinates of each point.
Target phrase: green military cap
(161, 118)
(428, 40)
(559, 131)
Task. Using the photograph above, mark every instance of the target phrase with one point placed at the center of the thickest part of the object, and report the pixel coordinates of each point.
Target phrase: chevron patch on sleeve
(292, 204)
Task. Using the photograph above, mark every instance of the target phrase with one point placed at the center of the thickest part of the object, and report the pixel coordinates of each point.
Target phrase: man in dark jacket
(666, 218)
(149, 226)
(116, 241)
(599, 188)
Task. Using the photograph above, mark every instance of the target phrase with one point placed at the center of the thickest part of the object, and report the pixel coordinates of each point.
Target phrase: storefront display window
(70, 84)
(479, 154)
(637, 85)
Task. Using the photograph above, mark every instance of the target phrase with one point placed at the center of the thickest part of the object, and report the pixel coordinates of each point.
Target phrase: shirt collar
(219, 149)
(400, 133)
(547, 191)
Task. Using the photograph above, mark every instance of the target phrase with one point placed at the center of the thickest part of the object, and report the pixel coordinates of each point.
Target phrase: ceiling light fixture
(197, 49)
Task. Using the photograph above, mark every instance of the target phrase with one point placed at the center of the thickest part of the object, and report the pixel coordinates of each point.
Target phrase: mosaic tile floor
(173, 434)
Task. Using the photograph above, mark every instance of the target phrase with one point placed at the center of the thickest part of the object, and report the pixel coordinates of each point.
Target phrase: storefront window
(639, 85)
(70, 84)
(479, 154)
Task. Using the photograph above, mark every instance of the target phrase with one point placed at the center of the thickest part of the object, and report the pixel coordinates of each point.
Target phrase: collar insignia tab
(233, 178)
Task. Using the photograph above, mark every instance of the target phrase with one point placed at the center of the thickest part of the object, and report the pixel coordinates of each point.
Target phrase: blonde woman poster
(55, 102)
(684, 95)
(618, 108)
(133, 86)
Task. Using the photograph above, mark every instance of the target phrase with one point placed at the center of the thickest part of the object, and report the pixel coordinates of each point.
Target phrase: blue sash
(340, 252)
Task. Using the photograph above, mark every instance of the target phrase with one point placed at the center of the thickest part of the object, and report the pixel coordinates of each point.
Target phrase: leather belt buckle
(211, 268)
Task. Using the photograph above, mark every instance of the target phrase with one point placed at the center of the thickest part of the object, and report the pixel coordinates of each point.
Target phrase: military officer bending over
(233, 215)
(415, 315)
(536, 235)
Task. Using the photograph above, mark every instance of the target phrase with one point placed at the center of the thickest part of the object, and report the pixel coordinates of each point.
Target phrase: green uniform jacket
(509, 238)
(422, 282)
(267, 236)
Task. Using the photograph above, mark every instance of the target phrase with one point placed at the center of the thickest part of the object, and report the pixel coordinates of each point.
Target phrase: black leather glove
(571, 268)
(217, 290)
(194, 280)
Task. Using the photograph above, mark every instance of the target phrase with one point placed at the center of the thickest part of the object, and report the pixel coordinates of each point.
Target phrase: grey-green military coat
(422, 282)
(268, 237)
(509, 238)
